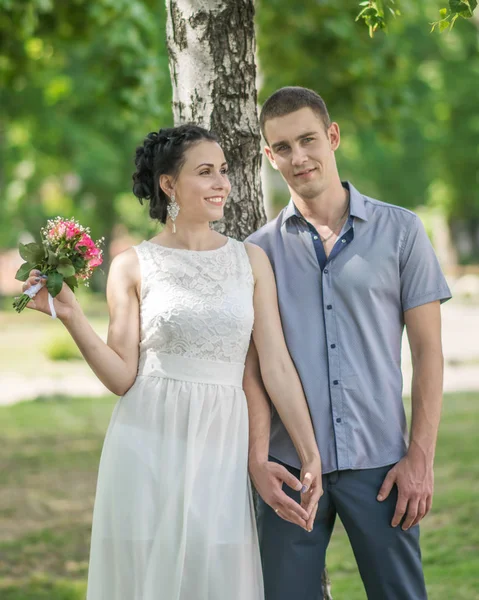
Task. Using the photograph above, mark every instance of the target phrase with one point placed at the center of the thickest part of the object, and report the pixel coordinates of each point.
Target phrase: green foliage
(61, 347)
(374, 14)
(456, 9)
(82, 83)
(405, 101)
(54, 283)
(24, 271)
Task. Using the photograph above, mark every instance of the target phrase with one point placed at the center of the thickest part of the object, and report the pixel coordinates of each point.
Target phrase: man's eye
(308, 139)
(281, 148)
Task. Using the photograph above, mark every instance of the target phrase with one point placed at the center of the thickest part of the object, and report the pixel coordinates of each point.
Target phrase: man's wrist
(423, 452)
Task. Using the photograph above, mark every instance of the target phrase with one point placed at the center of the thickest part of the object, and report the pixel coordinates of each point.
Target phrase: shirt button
(343, 241)
(335, 382)
(329, 307)
(315, 237)
(326, 271)
(338, 420)
(333, 345)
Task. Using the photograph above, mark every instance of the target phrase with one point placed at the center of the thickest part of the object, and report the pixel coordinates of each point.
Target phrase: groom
(351, 272)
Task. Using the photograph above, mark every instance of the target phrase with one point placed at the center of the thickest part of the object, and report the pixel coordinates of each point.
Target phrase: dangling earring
(173, 209)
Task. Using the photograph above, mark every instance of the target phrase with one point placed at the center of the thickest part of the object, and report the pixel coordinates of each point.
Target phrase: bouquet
(66, 253)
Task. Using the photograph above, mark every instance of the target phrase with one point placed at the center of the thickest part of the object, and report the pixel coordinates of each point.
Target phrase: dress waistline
(196, 370)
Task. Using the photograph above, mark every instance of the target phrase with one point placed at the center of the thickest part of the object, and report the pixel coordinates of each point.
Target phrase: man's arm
(268, 477)
(414, 475)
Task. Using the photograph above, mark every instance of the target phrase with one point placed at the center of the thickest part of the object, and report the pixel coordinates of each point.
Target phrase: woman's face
(202, 185)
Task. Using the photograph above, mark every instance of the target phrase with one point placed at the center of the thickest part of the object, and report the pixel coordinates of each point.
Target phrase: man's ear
(269, 154)
(334, 136)
(166, 184)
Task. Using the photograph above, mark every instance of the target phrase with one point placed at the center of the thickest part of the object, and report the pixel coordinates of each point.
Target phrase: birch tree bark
(211, 49)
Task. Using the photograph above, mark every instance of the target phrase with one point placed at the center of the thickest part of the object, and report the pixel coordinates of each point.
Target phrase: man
(351, 272)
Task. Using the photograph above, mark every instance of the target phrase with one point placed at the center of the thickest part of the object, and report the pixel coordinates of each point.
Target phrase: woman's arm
(277, 369)
(268, 477)
(116, 362)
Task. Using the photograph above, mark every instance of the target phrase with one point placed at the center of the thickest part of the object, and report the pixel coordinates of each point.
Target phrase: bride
(173, 513)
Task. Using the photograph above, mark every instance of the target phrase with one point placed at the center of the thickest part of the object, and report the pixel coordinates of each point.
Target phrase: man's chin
(310, 190)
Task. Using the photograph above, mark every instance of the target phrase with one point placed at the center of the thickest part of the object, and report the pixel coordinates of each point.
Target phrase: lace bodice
(197, 304)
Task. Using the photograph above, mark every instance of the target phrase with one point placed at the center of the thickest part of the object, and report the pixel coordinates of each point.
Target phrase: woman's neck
(190, 236)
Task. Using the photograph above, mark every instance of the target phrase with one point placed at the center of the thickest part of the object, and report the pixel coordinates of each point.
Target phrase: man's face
(303, 151)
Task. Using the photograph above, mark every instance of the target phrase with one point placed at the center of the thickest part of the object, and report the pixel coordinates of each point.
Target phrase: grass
(48, 466)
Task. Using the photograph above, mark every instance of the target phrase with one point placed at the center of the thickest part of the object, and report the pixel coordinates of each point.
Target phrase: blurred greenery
(406, 101)
(48, 474)
(61, 347)
(83, 82)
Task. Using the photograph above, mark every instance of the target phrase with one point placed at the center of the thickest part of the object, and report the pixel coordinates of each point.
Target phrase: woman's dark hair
(163, 153)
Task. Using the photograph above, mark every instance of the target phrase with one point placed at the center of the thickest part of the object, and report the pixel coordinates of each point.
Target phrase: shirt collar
(356, 206)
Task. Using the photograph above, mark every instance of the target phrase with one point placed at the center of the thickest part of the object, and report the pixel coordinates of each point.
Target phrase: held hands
(312, 490)
(65, 302)
(414, 478)
(268, 478)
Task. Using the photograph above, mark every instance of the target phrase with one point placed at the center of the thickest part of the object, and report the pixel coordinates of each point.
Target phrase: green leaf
(66, 270)
(78, 263)
(24, 271)
(453, 20)
(32, 253)
(443, 25)
(54, 283)
(72, 283)
(52, 259)
(443, 13)
(464, 8)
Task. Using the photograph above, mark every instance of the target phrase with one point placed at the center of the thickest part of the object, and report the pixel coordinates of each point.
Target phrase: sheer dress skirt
(173, 517)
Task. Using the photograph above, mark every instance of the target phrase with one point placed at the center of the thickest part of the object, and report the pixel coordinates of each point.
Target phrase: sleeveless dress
(173, 516)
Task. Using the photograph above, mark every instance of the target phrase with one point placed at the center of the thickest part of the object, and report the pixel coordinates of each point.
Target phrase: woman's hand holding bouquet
(66, 255)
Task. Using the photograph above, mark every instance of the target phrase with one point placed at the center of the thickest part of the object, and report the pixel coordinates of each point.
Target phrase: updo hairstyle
(163, 153)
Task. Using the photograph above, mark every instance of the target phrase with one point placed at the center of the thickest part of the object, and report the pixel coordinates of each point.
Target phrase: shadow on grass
(44, 588)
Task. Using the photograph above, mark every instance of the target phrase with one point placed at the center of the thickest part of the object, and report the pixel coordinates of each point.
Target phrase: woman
(173, 514)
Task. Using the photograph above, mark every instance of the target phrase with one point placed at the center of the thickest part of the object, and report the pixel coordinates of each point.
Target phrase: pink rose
(85, 244)
(95, 262)
(71, 231)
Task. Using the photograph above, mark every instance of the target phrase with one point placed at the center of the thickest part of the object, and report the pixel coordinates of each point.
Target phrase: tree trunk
(211, 50)
(211, 46)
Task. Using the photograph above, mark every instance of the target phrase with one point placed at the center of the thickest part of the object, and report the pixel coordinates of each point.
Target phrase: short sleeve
(422, 280)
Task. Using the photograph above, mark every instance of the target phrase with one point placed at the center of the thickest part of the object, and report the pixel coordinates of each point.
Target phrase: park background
(81, 84)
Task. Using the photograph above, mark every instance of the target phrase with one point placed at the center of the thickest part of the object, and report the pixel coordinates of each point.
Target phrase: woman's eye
(204, 172)
(224, 171)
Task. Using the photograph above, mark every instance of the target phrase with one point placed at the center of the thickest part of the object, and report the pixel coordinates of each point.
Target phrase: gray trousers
(389, 559)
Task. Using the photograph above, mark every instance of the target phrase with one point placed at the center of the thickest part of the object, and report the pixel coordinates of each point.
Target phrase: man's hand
(415, 482)
(311, 477)
(268, 478)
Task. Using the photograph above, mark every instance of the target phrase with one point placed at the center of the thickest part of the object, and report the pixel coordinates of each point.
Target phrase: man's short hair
(290, 99)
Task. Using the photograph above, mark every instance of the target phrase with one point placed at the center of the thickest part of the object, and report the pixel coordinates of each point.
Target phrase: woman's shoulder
(255, 252)
(125, 265)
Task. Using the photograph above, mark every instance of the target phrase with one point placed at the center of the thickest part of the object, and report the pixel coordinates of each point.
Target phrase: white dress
(173, 517)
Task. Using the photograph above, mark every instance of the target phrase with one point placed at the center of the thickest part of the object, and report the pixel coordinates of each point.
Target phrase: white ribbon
(31, 292)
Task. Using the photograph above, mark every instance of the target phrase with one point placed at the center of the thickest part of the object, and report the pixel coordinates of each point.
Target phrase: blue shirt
(343, 319)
